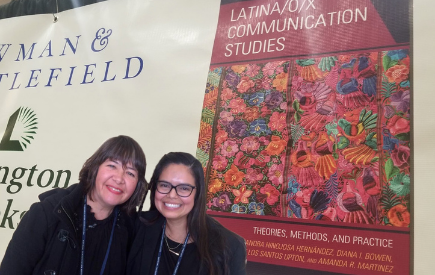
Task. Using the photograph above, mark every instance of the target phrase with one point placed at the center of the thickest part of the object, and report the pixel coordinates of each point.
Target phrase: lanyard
(160, 252)
(82, 255)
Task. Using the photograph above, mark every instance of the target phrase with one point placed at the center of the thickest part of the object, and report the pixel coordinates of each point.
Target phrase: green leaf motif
(214, 79)
(388, 199)
(207, 116)
(296, 105)
(305, 62)
(202, 156)
(297, 117)
(403, 136)
(390, 169)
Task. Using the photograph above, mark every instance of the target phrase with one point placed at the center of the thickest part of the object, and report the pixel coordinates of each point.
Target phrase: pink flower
(253, 175)
(229, 148)
(226, 117)
(297, 82)
(269, 68)
(271, 193)
(398, 125)
(277, 121)
(245, 84)
(227, 94)
(252, 70)
(264, 83)
(275, 174)
(219, 163)
(401, 156)
(250, 144)
(237, 105)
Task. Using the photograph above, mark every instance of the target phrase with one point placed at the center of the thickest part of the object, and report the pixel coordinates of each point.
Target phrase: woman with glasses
(177, 236)
(87, 228)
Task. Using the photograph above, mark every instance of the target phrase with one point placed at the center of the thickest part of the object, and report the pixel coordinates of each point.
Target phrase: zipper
(72, 223)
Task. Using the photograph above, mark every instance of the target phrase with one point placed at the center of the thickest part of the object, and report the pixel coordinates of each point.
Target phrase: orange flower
(215, 186)
(234, 176)
(399, 216)
(238, 68)
(301, 158)
(276, 146)
(397, 73)
(242, 195)
(280, 82)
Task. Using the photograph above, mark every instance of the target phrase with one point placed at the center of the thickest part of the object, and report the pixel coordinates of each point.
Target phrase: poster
(305, 134)
(113, 68)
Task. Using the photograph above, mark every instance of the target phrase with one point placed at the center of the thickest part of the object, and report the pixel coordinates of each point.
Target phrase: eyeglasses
(182, 190)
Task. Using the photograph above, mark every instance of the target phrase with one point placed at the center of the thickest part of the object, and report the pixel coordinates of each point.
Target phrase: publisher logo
(20, 130)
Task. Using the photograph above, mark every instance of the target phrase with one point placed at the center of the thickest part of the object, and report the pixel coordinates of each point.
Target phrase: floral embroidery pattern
(323, 138)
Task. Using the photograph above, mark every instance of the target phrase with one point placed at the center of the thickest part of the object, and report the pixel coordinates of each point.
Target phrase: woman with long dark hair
(177, 236)
(87, 228)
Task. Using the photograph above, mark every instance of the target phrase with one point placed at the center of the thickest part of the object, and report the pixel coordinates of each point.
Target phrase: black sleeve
(27, 244)
(238, 257)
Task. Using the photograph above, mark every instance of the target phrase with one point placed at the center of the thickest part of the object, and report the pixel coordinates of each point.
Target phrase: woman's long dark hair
(123, 149)
(211, 245)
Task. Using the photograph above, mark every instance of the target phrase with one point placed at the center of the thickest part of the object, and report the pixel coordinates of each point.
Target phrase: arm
(238, 257)
(27, 244)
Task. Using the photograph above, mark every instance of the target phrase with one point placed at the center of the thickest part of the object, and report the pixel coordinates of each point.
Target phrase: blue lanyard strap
(160, 251)
(82, 254)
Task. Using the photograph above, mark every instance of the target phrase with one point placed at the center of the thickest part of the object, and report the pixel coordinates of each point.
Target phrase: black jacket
(147, 238)
(30, 7)
(48, 237)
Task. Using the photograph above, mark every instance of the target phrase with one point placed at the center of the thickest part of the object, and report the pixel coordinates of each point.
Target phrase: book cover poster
(305, 133)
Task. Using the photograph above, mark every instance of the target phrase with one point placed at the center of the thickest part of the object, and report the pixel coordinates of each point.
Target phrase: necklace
(160, 251)
(173, 248)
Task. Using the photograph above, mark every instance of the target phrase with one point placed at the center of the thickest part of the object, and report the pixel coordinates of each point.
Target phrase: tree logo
(20, 131)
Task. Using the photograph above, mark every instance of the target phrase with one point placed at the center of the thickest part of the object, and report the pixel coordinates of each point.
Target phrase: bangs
(125, 152)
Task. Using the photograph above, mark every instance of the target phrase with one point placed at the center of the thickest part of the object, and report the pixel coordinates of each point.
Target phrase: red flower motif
(245, 84)
(277, 121)
(272, 194)
(398, 125)
(242, 161)
(237, 105)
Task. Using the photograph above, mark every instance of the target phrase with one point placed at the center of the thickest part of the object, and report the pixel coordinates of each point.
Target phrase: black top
(145, 248)
(97, 240)
(48, 238)
(189, 262)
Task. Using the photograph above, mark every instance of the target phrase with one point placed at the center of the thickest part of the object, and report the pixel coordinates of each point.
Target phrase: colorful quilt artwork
(323, 138)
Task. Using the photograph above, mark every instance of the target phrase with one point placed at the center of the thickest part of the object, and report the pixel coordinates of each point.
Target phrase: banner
(129, 67)
(305, 133)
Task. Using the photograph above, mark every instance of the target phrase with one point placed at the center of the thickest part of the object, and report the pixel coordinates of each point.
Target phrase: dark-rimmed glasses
(182, 190)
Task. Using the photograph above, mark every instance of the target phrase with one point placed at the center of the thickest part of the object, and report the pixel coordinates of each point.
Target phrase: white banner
(130, 67)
